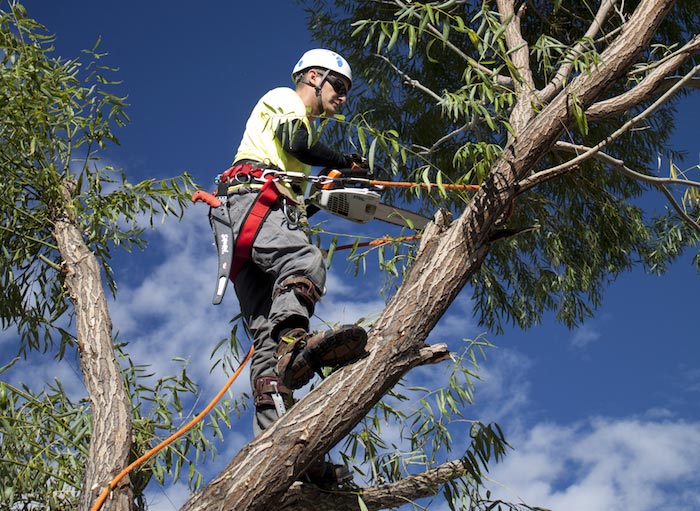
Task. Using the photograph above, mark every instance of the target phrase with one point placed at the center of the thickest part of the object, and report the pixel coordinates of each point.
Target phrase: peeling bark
(110, 440)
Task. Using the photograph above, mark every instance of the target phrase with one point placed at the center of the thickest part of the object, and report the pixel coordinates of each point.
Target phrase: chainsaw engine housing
(357, 205)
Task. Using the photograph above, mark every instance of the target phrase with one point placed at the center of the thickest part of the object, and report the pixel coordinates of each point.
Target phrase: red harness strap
(243, 246)
(256, 215)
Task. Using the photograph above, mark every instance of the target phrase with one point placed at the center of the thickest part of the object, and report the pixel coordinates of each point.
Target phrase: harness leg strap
(303, 288)
(270, 391)
(266, 199)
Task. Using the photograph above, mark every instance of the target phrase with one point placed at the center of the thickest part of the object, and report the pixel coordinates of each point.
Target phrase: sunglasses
(338, 85)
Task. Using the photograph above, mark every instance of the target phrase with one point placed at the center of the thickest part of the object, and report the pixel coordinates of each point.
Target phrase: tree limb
(551, 173)
(654, 82)
(658, 182)
(519, 50)
(303, 497)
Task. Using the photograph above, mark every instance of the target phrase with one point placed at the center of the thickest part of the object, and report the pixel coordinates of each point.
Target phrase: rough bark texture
(260, 476)
(307, 497)
(111, 419)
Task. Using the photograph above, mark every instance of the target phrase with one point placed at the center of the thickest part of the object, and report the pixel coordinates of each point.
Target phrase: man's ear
(311, 77)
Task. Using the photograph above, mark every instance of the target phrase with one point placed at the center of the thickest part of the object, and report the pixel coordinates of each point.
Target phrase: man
(285, 276)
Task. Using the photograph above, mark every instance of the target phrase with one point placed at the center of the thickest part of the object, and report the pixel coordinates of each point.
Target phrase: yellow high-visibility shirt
(260, 143)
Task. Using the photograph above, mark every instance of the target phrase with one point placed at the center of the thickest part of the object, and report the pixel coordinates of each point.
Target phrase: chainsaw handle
(206, 197)
(331, 174)
(339, 175)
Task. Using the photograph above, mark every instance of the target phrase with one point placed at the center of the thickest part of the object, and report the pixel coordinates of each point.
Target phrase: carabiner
(268, 172)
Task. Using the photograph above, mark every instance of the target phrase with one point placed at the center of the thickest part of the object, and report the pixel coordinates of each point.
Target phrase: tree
(505, 117)
(62, 215)
(537, 102)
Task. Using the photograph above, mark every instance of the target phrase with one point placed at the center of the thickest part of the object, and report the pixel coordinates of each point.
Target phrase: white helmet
(325, 59)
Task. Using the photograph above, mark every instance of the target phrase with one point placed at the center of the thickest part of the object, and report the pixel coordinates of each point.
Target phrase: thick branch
(656, 81)
(305, 497)
(553, 172)
(110, 440)
(520, 57)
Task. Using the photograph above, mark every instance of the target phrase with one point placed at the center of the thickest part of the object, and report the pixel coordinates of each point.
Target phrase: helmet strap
(318, 88)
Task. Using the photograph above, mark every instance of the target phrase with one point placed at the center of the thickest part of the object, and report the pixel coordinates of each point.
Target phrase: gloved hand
(356, 161)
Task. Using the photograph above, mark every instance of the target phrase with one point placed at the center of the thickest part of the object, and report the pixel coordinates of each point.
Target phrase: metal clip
(269, 172)
(278, 400)
(290, 213)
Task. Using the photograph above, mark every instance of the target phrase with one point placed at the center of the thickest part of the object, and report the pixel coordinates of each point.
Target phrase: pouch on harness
(233, 254)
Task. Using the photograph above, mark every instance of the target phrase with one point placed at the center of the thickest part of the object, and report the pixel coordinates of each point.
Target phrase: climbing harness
(349, 194)
(233, 254)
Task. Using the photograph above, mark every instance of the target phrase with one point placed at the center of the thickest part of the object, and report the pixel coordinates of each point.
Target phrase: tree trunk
(260, 475)
(110, 441)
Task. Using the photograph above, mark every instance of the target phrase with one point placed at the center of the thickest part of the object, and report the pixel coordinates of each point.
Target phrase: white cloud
(604, 464)
(584, 336)
(503, 392)
(167, 498)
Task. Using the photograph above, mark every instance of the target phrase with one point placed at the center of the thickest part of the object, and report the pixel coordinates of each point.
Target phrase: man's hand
(357, 161)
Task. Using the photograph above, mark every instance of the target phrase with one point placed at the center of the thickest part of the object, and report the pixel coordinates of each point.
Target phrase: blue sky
(605, 416)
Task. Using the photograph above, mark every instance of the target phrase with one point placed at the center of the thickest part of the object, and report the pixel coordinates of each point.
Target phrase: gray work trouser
(281, 250)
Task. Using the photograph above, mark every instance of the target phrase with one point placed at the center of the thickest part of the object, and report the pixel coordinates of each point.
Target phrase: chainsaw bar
(402, 217)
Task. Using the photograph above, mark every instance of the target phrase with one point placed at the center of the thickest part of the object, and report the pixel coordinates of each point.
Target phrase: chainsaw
(358, 200)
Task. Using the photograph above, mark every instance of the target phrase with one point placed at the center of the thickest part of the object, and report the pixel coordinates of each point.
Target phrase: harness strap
(243, 246)
(270, 391)
(230, 264)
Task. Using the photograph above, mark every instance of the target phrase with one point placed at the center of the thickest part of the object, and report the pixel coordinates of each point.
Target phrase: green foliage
(436, 90)
(55, 115)
(159, 411)
(56, 118)
(45, 436)
(415, 428)
(43, 446)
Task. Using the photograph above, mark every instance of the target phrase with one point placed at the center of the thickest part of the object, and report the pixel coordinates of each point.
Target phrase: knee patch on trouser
(267, 389)
(303, 288)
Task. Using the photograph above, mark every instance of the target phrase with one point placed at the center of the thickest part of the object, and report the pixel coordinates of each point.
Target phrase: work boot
(300, 353)
(326, 475)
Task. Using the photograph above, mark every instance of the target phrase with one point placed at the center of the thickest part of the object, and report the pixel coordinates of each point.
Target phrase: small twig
(565, 70)
(504, 81)
(410, 81)
(590, 152)
(658, 182)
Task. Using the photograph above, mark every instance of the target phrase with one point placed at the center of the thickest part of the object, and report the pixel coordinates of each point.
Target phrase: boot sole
(338, 347)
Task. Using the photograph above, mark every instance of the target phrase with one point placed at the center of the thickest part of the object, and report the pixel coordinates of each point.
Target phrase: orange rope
(173, 437)
(400, 184)
(379, 241)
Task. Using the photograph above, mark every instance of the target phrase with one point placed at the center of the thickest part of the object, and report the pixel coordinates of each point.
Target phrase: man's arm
(295, 141)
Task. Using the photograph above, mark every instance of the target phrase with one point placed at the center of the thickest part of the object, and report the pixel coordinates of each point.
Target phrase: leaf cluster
(416, 429)
(438, 79)
(56, 116)
(43, 447)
